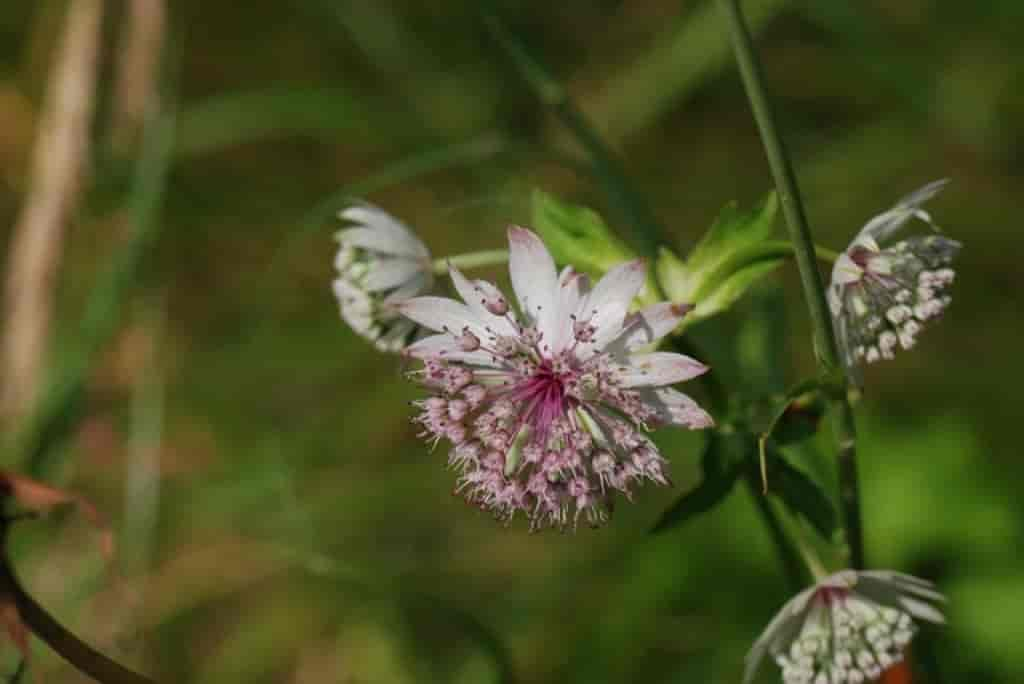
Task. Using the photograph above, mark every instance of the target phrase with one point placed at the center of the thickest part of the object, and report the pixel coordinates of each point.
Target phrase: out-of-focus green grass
(303, 533)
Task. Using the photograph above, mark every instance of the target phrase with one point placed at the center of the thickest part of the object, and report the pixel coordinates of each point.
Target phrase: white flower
(380, 263)
(547, 409)
(848, 628)
(881, 298)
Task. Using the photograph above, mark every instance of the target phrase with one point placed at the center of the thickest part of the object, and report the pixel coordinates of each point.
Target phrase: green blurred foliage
(301, 532)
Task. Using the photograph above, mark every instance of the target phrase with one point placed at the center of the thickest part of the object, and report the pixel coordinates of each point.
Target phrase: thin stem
(826, 350)
(490, 257)
(607, 168)
(844, 427)
(826, 255)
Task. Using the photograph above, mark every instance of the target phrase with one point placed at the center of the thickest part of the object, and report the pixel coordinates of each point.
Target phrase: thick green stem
(825, 346)
(491, 257)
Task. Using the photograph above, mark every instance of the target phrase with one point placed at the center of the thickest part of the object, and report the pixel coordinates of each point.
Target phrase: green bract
(733, 254)
(578, 235)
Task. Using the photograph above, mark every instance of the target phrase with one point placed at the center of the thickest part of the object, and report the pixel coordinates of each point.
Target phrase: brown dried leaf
(40, 498)
(16, 629)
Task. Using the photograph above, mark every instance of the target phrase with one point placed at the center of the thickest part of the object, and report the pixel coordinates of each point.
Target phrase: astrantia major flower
(848, 628)
(547, 408)
(881, 298)
(380, 263)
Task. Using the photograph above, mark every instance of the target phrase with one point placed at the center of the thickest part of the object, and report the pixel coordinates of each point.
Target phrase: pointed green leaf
(733, 231)
(721, 469)
(801, 494)
(730, 289)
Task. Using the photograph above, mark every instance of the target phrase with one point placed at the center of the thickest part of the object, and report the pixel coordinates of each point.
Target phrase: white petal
(445, 346)
(659, 368)
(533, 276)
(922, 610)
(675, 408)
(835, 299)
(888, 222)
(388, 273)
(648, 326)
(475, 293)
(780, 631)
(606, 307)
(572, 288)
(395, 336)
(419, 283)
(351, 297)
(380, 231)
(846, 271)
(894, 583)
(441, 315)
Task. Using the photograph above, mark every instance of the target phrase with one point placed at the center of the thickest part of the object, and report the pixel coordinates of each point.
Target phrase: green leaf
(800, 391)
(730, 290)
(733, 255)
(576, 235)
(800, 420)
(229, 119)
(801, 494)
(711, 262)
(722, 466)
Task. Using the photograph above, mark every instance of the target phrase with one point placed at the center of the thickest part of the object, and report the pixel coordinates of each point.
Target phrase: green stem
(62, 403)
(825, 346)
(490, 257)
(810, 557)
(789, 553)
(607, 168)
(826, 255)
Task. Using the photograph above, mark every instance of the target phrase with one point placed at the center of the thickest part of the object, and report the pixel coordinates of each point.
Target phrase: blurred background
(172, 350)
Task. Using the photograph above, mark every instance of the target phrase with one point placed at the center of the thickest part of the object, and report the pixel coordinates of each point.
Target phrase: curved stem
(490, 257)
(825, 346)
(81, 655)
(606, 166)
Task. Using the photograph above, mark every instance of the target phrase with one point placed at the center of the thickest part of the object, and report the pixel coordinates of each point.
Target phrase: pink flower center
(831, 595)
(545, 396)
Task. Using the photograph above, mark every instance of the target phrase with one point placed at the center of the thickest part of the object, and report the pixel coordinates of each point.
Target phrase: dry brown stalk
(56, 179)
(138, 60)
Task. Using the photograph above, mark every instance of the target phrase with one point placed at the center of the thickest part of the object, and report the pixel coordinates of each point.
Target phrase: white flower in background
(380, 263)
(848, 628)
(546, 409)
(881, 298)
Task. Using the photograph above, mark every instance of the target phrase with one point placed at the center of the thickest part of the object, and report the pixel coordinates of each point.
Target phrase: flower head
(380, 263)
(881, 298)
(547, 408)
(846, 629)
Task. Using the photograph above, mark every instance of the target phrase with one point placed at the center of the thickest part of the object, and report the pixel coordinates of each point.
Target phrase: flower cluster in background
(882, 298)
(380, 262)
(846, 629)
